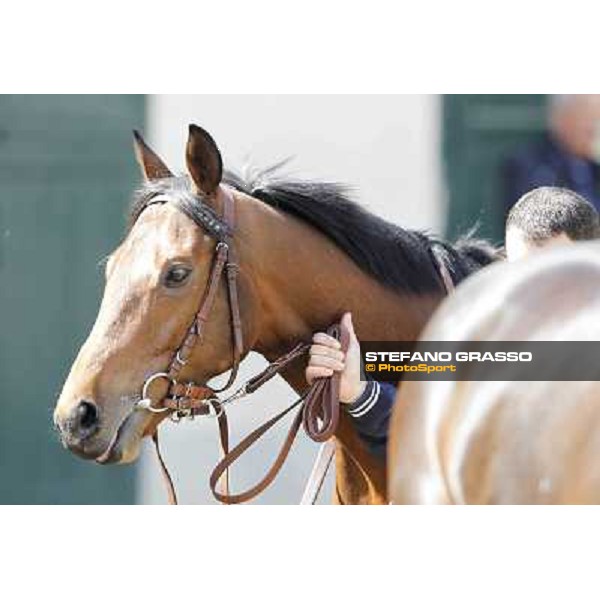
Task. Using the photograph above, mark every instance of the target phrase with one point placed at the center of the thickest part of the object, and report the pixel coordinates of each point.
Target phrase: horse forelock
(180, 192)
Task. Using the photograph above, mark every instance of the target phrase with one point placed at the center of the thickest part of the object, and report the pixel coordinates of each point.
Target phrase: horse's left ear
(203, 160)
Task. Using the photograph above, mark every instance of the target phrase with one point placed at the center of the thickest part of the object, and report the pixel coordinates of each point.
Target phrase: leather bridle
(319, 406)
(190, 398)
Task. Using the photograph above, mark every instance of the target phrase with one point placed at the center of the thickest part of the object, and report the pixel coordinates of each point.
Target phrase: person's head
(575, 123)
(549, 216)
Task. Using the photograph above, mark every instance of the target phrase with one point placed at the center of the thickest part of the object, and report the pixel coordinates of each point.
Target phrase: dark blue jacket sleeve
(371, 414)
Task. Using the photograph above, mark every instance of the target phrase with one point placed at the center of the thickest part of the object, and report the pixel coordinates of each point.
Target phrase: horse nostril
(86, 416)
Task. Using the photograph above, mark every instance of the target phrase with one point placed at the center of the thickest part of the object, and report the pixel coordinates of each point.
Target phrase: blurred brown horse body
(297, 275)
(511, 442)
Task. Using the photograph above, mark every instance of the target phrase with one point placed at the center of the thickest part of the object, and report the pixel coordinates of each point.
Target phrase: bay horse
(506, 442)
(305, 255)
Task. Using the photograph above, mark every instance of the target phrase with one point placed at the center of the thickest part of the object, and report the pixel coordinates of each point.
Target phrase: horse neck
(304, 283)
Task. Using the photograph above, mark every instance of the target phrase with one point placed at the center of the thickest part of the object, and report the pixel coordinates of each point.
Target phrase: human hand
(326, 358)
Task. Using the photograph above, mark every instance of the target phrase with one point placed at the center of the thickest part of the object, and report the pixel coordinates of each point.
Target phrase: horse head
(156, 280)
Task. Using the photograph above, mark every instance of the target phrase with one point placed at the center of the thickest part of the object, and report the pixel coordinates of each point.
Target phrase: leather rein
(318, 409)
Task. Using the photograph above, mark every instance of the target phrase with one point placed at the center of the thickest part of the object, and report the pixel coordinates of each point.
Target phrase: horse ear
(151, 165)
(203, 160)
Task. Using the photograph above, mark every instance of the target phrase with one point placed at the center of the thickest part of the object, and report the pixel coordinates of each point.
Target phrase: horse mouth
(125, 442)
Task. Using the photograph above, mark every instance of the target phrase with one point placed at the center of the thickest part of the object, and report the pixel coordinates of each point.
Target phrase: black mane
(402, 259)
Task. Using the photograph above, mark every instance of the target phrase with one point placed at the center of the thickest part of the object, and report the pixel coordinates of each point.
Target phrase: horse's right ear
(151, 165)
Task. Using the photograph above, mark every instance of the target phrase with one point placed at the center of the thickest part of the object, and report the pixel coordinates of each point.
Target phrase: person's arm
(371, 413)
(369, 403)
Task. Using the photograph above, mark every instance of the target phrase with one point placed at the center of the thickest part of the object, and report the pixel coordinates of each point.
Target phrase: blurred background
(441, 163)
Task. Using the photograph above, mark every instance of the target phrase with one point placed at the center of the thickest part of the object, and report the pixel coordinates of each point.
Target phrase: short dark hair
(546, 212)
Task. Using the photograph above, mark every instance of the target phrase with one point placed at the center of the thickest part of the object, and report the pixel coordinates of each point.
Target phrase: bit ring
(146, 402)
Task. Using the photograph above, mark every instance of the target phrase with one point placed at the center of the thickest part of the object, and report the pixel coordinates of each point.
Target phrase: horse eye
(176, 276)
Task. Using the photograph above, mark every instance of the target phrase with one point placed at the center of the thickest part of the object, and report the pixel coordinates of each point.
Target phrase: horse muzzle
(85, 433)
(78, 427)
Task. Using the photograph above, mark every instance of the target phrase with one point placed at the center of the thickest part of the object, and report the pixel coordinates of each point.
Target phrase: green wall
(480, 131)
(66, 173)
